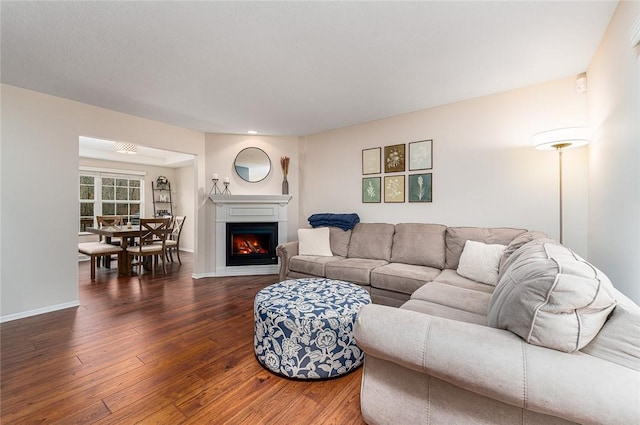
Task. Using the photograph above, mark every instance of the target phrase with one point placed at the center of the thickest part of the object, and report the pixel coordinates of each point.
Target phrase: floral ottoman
(304, 327)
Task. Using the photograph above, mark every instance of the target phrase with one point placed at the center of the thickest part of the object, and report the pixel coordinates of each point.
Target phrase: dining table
(127, 235)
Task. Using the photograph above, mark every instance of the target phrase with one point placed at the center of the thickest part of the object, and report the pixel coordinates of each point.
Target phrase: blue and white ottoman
(304, 327)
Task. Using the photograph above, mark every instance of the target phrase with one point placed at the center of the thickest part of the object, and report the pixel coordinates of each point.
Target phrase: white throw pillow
(314, 242)
(480, 261)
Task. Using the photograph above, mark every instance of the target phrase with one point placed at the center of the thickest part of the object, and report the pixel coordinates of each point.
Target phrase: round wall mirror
(252, 164)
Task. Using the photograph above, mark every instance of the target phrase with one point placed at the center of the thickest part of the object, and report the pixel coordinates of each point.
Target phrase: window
(108, 193)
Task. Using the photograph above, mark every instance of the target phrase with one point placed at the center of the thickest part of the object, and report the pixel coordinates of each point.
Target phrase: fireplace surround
(245, 210)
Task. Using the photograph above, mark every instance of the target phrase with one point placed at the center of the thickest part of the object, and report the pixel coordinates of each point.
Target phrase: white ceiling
(89, 147)
(291, 68)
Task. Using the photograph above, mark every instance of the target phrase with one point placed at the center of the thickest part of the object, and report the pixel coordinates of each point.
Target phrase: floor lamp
(559, 140)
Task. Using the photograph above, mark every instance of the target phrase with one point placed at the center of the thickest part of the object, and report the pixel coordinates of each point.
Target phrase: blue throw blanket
(343, 221)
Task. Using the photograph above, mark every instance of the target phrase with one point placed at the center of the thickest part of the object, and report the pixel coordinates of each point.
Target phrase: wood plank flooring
(157, 350)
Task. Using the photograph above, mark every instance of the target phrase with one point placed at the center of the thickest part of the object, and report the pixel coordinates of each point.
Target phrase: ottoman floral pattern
(304, 327)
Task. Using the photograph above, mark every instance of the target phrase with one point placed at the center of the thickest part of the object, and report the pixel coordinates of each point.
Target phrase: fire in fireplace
(250, 244)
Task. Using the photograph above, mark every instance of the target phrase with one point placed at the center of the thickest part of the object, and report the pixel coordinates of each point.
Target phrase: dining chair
(152, 240)
(173, 240)
(109, 220)
(97, 250)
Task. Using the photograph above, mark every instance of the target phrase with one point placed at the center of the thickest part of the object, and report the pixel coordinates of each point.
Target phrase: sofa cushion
(479, 261)
(455, 297)
(339, 240)
(445, 312)
(404, 278)
(371, 241)
(551, 297)
(419, 244)
(451, 277)
(619, 339)
(354, 270)
(456, 237)
(314, 242)
(311, 264)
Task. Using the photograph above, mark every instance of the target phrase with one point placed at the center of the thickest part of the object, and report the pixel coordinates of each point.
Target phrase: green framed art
(420, 187)
(371, 190)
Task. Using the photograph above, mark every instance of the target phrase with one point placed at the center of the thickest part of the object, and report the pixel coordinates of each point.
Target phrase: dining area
(146, 245)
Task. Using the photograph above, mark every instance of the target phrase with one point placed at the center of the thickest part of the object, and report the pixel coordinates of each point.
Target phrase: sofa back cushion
(371, 241)
(457, 236)
(339, 241)
(419, 244)
(551, 297)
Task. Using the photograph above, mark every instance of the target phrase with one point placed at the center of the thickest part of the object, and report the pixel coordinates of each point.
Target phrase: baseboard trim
(37, 311)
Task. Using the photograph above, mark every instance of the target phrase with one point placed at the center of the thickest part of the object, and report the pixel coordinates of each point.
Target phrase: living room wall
(221, 151)
(614, 154)
(39, 175)
(485, 171)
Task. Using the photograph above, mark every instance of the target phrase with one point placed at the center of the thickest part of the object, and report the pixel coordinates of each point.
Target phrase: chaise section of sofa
(422, 369)
(436, 360)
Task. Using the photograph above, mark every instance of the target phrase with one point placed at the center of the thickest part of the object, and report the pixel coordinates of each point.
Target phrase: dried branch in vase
(284, 163)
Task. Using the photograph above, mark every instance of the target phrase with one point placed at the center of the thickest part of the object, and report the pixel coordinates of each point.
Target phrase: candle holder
(215, 190)
(226, 190)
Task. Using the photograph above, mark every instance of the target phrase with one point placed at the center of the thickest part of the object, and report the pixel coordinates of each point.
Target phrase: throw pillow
(479, 261)
(551, 297)
(314, 242)
(519, 241)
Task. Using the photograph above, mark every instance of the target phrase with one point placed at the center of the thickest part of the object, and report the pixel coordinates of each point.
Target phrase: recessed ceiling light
(252, 132)
(122, 147)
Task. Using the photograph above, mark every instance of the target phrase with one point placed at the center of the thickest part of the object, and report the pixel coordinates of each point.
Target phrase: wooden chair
(96, 250)
(106, 221)
(173, 241)
(110, 220)
(151, 241)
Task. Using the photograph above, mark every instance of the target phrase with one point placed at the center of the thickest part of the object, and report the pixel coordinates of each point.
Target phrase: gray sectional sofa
(393, 261)
(553, 342)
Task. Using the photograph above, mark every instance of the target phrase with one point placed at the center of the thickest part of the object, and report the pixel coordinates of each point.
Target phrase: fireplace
(239, 209)
(250, 244)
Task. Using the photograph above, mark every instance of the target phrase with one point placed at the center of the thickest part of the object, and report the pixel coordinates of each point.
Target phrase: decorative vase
(285, 186)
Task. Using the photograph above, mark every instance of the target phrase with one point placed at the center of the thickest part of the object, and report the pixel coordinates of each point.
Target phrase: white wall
(614, 154)
(221, 151)
(39, 210)
(185, 201)
(485, 172)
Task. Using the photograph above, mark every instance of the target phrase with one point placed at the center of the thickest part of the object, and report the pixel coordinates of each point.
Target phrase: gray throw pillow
(551, 297)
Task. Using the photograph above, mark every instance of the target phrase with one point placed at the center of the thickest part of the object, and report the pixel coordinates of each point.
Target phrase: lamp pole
(560, 139)
(559, 148)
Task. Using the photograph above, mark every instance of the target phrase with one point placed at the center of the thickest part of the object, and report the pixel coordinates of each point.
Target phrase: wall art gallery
(404, 178)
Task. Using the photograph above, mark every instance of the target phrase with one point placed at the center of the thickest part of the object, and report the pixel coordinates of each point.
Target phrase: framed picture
(420, 155)
(371, 190)
(394, 158)
(394, 188)
(371, 161)
(420, 187)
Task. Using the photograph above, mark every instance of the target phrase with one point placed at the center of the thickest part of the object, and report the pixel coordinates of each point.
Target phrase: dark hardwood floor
(157, 350)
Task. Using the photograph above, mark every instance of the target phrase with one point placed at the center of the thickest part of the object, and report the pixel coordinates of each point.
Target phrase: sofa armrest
(498, 364)
(285, 251)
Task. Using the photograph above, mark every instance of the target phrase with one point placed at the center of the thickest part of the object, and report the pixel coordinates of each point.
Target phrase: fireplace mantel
(251, 199)
(247, 209)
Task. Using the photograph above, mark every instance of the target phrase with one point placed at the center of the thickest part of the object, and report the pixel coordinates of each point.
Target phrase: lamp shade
(122, 147)
(562, 138)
